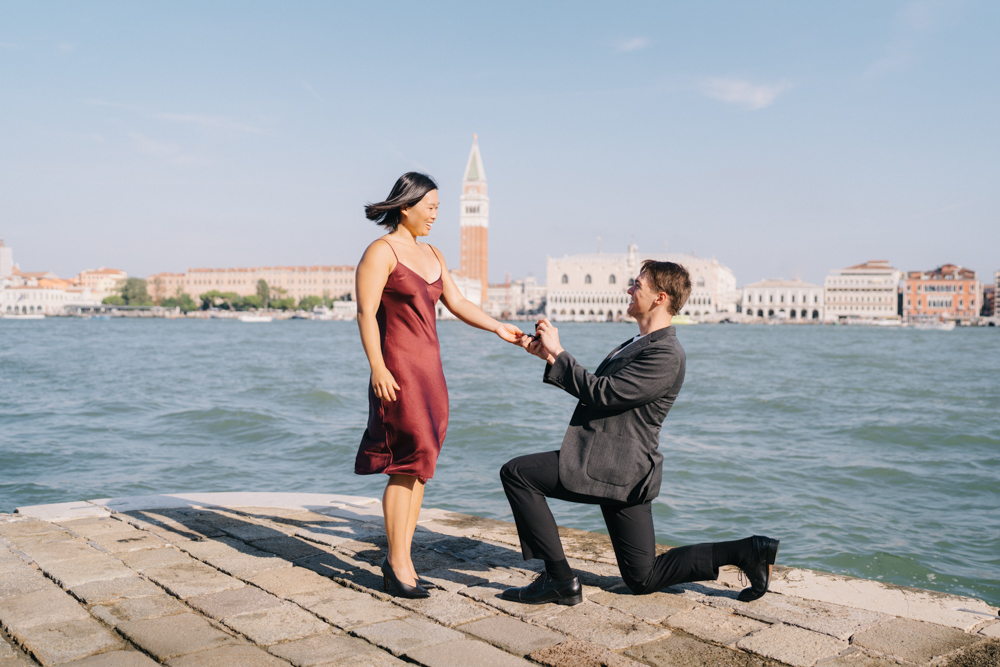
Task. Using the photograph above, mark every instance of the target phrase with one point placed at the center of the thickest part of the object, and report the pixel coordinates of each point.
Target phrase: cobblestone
(66, 641)
(171, 636)
(601, 625)
(512, 635)
(464, 652)
(405, 635)
(279, 624)
(915, 641)
(794, 646)
(715, 625)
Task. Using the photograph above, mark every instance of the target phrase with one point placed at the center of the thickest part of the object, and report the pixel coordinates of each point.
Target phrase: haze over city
(785, 139)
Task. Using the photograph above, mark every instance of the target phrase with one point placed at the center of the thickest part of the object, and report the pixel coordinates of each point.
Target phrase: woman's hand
(384, 384)
(509, 333)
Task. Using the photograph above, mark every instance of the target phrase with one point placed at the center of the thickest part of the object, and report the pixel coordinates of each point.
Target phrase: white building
(36, 300)
(792, 300)
(470, 288)
(6, 261)
(520, 298)
(593, 287)
(42, 293)
(865, 291)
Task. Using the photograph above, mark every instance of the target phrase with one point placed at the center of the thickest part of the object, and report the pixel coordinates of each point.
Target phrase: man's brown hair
(671, 279)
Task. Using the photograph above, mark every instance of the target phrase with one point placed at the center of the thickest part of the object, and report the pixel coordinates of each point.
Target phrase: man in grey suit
(610, 457)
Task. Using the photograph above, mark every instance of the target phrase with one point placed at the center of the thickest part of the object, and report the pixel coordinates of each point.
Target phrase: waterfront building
(475, 221)
(333, 282)
(470, 288)
(996, 292)
(864, 291)
(593, 287)
(102, 281)
(6, 261)
(38, 293)
(988, 309)
(949, 292)
(792, 300)
(514, 299)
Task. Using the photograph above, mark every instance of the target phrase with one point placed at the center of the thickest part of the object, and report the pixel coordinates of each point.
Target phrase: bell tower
(475, 219)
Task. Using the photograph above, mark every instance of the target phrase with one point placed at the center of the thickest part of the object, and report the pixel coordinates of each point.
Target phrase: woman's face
(419, 218)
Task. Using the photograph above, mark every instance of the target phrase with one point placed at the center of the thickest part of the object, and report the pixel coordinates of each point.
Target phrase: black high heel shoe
(402, 590)
(763, 553)
(423, 583)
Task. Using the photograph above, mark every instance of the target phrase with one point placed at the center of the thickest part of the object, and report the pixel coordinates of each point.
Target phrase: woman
(399, 281)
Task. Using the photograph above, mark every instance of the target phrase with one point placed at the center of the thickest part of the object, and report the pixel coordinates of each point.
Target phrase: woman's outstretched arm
(373, 271)
(468, 312)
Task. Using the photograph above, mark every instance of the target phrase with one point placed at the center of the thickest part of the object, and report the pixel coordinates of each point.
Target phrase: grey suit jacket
(610, 449)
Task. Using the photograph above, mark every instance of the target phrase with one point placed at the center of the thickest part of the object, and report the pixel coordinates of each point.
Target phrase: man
(609, 457)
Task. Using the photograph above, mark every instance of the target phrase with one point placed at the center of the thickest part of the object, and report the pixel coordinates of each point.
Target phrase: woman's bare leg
(396, 503)
(416, 499)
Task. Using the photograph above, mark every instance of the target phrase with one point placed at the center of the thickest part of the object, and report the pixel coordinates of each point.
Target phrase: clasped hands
(545, 343)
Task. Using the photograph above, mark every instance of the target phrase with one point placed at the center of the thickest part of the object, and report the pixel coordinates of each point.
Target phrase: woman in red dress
(399, 282)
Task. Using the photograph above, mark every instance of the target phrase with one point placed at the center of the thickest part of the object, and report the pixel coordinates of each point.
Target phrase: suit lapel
(633, 349)
(607, 359)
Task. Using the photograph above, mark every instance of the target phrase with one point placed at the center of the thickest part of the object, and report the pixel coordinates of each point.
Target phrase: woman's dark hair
(408, 191)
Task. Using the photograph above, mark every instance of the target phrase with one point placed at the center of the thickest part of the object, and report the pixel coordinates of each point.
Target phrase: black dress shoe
(402, 590)
(763, 552)
(546, 589)
(423, 583)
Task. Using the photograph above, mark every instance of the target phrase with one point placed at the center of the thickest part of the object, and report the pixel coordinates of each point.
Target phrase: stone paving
(261, 580)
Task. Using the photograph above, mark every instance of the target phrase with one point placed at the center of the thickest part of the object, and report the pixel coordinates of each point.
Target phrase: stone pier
(262, 580)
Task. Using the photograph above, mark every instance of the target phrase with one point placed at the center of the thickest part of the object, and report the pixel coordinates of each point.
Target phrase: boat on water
(24, 317)
(682, 319)
(256, 318)
(932, 326)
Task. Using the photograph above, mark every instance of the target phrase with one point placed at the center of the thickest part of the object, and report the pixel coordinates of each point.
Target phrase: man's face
(643, 296)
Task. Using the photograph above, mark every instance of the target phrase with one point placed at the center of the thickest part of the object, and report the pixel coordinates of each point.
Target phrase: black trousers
(529, 480)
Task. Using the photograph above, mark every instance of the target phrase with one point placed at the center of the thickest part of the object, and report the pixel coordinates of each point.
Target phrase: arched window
(631, 281)
(760, 313)
(792, 313)
(586, 279)
(805, 314)
(565, 279)
(815, 314)
(770, 313)
(611, 279)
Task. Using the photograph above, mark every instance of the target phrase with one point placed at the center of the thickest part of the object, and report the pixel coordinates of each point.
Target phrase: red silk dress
(404, 436)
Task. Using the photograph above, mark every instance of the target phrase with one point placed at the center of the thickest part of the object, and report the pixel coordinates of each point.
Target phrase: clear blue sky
(784, 138)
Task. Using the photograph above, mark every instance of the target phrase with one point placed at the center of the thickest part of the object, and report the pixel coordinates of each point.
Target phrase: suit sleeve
(643, 380)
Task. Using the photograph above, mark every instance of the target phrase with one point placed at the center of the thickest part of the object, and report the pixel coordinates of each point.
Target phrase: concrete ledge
(198, 578)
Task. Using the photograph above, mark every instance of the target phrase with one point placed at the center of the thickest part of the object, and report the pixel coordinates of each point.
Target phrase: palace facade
(593, 287)
(792, 300)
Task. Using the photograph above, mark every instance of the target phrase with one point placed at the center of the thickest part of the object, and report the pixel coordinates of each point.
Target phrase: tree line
(134, 292)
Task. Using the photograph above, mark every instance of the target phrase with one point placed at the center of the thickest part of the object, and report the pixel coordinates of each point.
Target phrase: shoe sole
(569, 602)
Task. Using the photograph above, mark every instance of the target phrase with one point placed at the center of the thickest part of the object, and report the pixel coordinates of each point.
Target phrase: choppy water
(871, 452)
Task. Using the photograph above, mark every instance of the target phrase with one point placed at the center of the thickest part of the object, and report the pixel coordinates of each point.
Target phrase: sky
(784, 138)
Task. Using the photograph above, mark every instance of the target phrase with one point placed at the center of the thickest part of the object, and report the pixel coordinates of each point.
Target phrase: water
(871, 452)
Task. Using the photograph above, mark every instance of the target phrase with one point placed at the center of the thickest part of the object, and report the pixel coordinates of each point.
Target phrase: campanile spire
(475, 219)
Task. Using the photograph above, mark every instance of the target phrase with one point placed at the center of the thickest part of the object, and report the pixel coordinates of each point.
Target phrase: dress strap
(392, 249)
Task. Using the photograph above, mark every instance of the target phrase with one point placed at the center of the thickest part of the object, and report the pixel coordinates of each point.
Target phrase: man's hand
(536, 346)
(548, 336)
